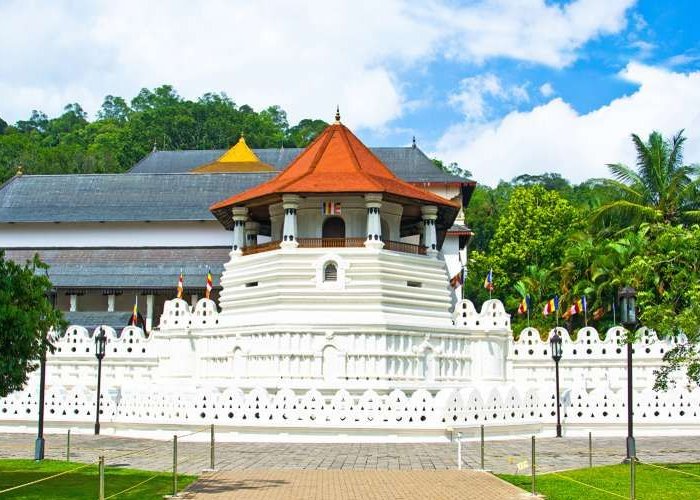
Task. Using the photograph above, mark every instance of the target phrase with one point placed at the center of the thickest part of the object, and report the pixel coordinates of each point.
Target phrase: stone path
(500, 456)
(353, 485)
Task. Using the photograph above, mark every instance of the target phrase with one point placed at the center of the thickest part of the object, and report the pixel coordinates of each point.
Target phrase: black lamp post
(555, 345)
(39, 444)
(627, 298)
(100, 341)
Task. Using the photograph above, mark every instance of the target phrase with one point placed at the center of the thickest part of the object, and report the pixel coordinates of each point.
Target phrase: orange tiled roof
(336, 162)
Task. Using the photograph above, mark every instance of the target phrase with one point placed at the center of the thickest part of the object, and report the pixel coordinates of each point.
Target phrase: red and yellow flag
(180, 286)
(210, 285)
(135, 315)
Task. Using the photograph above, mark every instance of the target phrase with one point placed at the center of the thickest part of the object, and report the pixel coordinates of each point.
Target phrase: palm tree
(661, 189)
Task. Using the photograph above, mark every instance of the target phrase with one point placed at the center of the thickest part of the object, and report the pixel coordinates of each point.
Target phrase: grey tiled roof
(93, 319)
(408, 163)
(145, 268)
(119, 197)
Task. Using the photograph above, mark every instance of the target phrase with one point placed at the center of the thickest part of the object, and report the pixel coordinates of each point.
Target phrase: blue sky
(501, 87)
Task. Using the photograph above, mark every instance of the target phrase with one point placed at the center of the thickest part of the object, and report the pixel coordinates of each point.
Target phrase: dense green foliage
(651, 482)
(83, 483)
(26, 315)
(544, 237)
(124, 133)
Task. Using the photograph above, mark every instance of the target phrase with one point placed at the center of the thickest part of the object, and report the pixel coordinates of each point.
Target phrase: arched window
(330, 272)
(333, 227)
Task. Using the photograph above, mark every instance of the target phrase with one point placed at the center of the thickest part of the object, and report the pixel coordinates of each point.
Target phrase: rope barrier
(159, 474)
(47, 478)
(589, 485)
(672, 470)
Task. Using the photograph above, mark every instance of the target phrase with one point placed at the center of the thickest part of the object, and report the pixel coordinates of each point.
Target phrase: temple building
(114, 239)
(332, 319)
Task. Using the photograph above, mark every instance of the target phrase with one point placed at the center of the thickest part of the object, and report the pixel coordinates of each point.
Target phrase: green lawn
(82, 483)
(652, 483)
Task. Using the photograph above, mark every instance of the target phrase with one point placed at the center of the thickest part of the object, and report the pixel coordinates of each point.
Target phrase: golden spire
(337, 114)
(19, 170)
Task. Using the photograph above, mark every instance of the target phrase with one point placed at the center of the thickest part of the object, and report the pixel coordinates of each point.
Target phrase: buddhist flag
(551, 306)
(523, 307)
(180, 286)
(458, 279)
(135, 315)
(488, 281)
(330, 208)
(575, 308)
(207, 292)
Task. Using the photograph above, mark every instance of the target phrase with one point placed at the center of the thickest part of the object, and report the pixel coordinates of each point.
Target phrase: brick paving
(353, 485)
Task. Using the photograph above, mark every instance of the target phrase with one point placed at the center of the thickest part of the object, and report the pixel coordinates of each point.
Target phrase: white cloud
(305, 57)
(555, 138)
(475, 92)
(546, 89)
(531, 30)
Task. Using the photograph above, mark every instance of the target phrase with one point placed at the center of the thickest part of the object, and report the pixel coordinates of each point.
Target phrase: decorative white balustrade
(194, 369)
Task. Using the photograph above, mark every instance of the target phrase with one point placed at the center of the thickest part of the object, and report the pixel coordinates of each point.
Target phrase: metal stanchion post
(211, 458)
(534, 489)
(632, 479)
(590, 449)
(459, 451)
(175, 465)
(68, 447)
(101, 469)
(482, 447)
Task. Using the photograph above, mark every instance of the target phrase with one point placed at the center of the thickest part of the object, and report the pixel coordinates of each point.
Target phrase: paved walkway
(353, 485)
(500, 456)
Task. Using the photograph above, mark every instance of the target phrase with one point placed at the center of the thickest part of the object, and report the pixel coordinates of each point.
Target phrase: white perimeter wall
(115, 234)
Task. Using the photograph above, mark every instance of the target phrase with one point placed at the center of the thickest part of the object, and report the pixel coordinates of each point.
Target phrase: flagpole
(614, 319)
(528, 313)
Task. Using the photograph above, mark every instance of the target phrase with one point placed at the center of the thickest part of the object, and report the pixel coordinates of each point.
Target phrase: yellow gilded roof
(240, 158)
(239, 153)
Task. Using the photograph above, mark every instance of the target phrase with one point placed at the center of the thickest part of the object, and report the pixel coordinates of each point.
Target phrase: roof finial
(155, 145)
(414, 142)
(337, 114)
(19, 170)
(242, 137)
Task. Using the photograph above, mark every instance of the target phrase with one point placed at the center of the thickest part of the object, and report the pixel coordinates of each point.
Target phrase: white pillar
(73, 302)
(290, 203)
(373, 202)
(240, 215)
(111, 299)
(429, 213)
(195, 298)
(251, 233)
(149, 312)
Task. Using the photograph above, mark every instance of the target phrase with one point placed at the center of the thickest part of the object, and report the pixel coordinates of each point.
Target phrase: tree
(26, 315)
(661, 189)
(3, 126)
(666, 275)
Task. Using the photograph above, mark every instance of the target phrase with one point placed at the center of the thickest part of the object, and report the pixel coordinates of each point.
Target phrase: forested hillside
(123, 133)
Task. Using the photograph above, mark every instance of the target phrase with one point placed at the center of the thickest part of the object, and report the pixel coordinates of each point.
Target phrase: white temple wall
(114, 234)
(412, 383)
(413, 288)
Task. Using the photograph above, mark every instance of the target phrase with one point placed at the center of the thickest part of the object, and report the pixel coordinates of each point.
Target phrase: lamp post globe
(556, 349)
(100, 344)
(627, 298)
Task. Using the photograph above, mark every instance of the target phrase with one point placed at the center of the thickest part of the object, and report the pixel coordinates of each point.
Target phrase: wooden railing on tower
(331, 242)
(394, 246)
(399, 246)
(263, 247)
